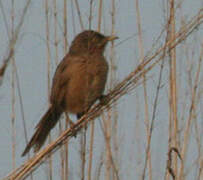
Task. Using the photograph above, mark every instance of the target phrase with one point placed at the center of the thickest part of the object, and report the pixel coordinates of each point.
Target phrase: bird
(78, 82)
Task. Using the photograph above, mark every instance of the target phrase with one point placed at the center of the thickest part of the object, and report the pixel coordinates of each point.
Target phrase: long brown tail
(43, 128)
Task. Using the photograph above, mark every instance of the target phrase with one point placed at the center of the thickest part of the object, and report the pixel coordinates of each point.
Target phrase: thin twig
(13, 97)
(89, 173)
(169, 162)
(13, 41)
(48, 60)
(79, 14)
(173, 90)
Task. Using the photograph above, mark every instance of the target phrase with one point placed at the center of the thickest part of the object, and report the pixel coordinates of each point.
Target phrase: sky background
(30, 56)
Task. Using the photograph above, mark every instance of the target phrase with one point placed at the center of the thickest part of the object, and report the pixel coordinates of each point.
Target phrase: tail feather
(43, 128)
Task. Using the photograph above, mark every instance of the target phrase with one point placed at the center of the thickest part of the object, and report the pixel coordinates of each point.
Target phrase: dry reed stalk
(110, 161)
(168, 164)
(110, 165)
(13, 116)
(112, 121)
(90, 15)
(22, 111)
(141, 53)
(128, 84)
(116, 143)
(173, 127)
(21, 106)
(91, 151)
(62, 172)
(13, 98)
(65, 15)
(48, 73)
(107, 137)
(198, 138)
(73, 17)
(100, 14)
(137, 135)
(92, 126)
(99, 167)
(189, 120)
(4, 19)
(83, 152)
(184, 100)
(112, 50)
(79, 14)
(56, 41)
(200, 174)
(65, 31)
(48, 46)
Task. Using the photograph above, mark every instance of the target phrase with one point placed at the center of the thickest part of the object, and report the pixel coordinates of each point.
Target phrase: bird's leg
(79, 115)
(72, 125)
(70, 122)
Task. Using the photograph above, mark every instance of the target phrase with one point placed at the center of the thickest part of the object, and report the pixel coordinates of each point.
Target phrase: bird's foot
(103, 99)
(72, 127)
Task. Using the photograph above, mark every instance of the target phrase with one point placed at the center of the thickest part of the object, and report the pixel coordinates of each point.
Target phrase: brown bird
(78, 82)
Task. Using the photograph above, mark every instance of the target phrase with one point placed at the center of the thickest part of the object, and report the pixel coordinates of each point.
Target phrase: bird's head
(90, 41)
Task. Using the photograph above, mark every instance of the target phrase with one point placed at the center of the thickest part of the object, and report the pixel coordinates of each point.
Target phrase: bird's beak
(111, 38)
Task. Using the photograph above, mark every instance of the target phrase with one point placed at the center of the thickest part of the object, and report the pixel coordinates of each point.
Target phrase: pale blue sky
(31, 63)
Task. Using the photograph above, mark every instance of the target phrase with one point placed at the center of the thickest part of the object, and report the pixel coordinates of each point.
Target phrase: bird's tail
(43, 128)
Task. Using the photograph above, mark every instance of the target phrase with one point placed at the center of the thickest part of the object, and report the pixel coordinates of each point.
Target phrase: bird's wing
(63, 73)
(60, 79)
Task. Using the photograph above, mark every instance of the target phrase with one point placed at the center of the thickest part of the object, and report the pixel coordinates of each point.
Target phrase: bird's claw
(72, 127)
(103, 100)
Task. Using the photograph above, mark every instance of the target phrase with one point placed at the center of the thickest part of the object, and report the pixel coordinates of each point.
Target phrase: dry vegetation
(185, 95)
